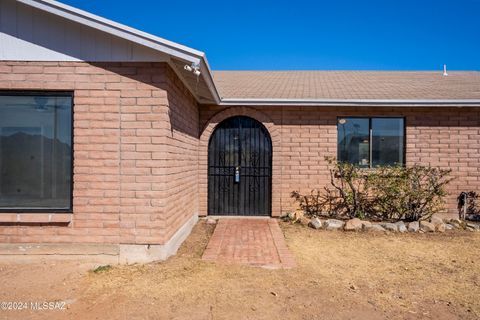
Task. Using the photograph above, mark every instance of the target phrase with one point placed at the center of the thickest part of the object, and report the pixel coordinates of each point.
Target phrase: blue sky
(300, 34)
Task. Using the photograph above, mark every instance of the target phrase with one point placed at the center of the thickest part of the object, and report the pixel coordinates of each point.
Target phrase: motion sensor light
(195, 68)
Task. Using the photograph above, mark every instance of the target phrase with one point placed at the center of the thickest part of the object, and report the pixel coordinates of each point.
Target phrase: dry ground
(339, 276)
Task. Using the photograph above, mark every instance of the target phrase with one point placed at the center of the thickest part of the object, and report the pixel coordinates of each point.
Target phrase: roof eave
(353, 102)
(204, 66)
(168, 47)
(189, 55)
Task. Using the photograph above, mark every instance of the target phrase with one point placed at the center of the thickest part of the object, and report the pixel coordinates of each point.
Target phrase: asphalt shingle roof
(402, 85)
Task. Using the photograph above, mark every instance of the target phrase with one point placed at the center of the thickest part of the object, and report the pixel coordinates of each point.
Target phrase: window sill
(41, 218)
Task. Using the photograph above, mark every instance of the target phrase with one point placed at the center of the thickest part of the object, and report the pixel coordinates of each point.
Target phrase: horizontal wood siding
(29, 34)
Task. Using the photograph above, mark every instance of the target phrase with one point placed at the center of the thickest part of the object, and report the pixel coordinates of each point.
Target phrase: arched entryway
(240, 168)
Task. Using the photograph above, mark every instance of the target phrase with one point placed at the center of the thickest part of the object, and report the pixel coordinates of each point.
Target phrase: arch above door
(240, 168)
(208, 128)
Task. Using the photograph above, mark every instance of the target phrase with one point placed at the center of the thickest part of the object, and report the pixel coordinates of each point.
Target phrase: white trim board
(353, 102)
(148, 47)
(168, 51)
(169, 47)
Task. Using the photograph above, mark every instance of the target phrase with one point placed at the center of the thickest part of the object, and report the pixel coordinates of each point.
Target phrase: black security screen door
(240, 168)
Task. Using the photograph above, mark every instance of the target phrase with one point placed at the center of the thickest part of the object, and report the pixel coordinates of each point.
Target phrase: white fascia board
(168, 47)
(209, 79)
(353, 102)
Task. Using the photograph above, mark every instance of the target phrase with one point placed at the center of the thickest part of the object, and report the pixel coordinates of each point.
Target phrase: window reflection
(387, 141)
(35, 151)
(371, 142)
(353, 141)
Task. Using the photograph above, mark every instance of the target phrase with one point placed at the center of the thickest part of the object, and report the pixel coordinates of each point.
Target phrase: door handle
(237, 174)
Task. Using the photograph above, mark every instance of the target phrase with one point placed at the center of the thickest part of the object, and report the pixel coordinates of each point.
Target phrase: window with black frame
(371, 142)
(35, 151)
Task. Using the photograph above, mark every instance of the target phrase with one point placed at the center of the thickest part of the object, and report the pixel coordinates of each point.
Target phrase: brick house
(113, 141)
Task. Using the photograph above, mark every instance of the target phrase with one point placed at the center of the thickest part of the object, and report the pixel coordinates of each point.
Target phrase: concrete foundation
(96, 253)
(134, 253)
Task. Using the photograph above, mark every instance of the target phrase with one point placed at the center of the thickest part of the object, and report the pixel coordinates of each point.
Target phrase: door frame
(270, 164)
(210, 117)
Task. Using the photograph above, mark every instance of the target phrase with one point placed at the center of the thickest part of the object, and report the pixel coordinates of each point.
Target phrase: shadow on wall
(41, 36)
(180, 106)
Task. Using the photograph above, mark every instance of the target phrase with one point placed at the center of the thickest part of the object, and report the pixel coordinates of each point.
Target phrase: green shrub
(311, 204)
(409, 193)
(350, 192)
(384, 193)
(316, 204)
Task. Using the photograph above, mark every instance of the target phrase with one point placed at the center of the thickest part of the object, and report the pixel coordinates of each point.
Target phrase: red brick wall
(140, 150)
(449, 138)
(181, 164)
(132, 149)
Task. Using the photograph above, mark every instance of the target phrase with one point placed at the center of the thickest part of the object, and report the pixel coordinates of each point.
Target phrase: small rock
(367, 227)
(304, 220)
(354, 224)
(283, 214)
(390, 226)
(297, 216)
(473, 226)
(427, 226)
(436, 220)
(449, 226)
(456, 221)
(211, 221)
(373, 227)
(401, 226)
(413, 226)
(333, 224)
(315, 223)
(440, 227)
(457, 224)
(366, 224)
(299, 213)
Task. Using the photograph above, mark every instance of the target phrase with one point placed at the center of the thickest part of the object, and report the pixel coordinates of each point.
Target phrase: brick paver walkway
(257, 242)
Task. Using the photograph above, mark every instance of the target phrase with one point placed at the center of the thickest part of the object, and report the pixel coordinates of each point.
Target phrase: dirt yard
(339, 276)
